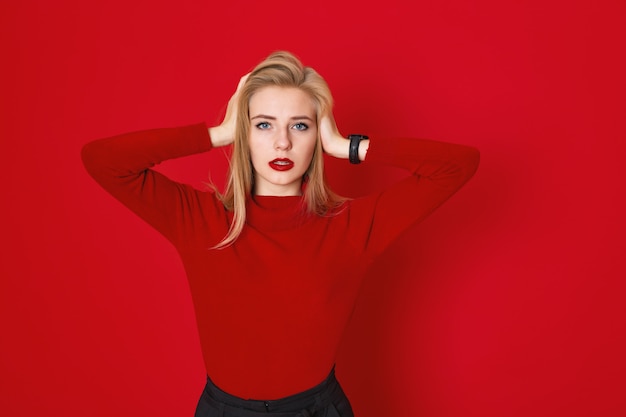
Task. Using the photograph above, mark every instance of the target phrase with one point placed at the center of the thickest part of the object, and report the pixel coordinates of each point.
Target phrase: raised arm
(437, 170)
(122, 166)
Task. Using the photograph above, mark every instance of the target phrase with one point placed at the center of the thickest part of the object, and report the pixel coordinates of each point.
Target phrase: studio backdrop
(507, 301)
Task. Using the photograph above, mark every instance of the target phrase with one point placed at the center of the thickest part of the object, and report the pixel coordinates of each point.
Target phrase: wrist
(364, 146)
(337, 147)
(219, 137)
(357, 148)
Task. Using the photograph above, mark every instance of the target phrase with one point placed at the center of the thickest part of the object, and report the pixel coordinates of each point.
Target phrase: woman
(275, 263)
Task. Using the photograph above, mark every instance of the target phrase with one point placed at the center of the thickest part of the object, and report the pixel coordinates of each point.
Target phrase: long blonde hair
(281, 69)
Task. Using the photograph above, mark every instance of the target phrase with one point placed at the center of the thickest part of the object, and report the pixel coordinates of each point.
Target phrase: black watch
(353, 153)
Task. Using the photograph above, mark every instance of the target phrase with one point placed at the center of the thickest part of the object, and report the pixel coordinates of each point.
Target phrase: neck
(279, 191)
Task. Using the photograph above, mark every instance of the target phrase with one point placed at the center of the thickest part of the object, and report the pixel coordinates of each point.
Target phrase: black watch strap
(353, 152)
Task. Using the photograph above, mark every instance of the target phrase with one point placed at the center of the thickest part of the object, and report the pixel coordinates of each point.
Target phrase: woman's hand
(333, 143)
(224, 134)
(336, 145)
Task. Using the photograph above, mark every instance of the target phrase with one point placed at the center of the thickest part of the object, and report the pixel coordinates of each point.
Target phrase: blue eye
(300, 126)
(263, 125)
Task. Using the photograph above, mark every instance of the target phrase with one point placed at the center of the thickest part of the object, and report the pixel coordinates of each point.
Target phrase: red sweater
(272, 307)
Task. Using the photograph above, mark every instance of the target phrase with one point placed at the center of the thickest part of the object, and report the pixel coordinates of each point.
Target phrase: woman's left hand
(336, 145)
(333, 143)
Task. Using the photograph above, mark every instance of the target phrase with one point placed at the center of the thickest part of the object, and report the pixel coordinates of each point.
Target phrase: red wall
(508, 301)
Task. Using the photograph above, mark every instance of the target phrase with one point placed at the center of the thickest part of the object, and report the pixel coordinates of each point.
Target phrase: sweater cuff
(199, 137)
(394, 151)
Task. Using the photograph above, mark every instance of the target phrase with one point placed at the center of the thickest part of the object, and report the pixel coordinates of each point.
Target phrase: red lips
(281, 164)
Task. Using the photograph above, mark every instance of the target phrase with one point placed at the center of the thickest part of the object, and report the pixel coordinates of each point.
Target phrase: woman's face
(283, 133)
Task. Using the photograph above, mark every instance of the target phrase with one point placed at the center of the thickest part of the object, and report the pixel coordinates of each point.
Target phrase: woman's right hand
(224, 134)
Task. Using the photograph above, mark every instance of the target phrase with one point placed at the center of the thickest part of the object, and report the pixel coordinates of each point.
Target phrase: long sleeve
(309, 266)
(437, 170)
(122, 166)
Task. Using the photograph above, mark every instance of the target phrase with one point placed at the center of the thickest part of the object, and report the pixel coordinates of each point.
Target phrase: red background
(508, 301)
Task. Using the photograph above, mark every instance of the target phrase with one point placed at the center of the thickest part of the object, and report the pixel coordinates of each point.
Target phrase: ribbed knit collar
(272, 213)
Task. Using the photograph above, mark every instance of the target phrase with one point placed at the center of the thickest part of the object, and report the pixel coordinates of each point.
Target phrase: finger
(242, 81)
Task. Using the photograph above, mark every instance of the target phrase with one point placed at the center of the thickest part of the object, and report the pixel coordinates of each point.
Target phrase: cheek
(311, 144)
(255, 154)
(308, 149)
(309, 154)
(255, 147)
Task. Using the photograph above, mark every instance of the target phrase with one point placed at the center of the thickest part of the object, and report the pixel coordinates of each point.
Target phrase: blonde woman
(275, 262)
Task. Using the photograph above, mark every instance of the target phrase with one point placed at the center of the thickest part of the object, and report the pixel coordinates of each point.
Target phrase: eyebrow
(264, 116)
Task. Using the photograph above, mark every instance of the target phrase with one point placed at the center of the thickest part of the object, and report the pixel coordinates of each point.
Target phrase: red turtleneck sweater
(272, 307)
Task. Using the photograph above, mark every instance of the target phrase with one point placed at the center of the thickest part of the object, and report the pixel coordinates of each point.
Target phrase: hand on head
(224, 134)
(333, 143)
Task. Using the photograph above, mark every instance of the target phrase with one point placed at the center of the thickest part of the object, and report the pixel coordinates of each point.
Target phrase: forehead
(278, 101)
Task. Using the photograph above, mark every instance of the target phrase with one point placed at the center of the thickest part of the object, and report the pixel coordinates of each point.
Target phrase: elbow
(89, 156)
(464, 164)
(473, 159)
(95, 159)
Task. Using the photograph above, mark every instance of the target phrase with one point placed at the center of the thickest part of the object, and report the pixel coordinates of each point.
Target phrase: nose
(282, 141)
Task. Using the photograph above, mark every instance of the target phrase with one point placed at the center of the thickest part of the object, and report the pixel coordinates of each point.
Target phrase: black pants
(324, 400)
